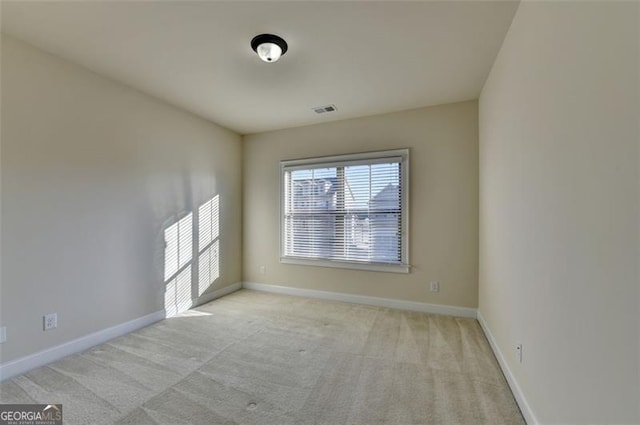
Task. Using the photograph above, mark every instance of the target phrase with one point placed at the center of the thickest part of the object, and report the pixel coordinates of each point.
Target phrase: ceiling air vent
(323, 109)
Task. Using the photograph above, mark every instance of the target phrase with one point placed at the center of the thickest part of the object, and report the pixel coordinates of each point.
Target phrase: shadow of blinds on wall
(208, 243)
(178, 253)
(188, 274)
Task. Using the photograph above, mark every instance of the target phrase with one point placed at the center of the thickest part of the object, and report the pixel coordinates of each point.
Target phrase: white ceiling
(364, 57)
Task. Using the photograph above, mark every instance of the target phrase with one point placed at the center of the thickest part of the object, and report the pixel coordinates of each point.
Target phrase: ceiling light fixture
(269, 47)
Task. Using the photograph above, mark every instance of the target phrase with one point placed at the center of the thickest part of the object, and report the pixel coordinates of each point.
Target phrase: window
(346, 211)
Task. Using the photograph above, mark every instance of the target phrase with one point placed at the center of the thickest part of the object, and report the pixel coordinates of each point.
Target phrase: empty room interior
(320, 212)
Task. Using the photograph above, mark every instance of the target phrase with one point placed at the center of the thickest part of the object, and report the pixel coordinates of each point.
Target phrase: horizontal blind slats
(348, 211)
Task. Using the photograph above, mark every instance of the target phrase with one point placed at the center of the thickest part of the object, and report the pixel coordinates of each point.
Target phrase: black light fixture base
(268, 38)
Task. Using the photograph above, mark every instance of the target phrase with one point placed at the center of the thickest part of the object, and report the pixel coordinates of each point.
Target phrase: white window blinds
(349, 209)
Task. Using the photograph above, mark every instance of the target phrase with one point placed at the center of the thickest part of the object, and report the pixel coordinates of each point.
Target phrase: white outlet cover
(3, 334)
(50, 321)
(434, 286)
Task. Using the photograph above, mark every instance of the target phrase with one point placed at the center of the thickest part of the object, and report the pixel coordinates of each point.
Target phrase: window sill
(372, 267)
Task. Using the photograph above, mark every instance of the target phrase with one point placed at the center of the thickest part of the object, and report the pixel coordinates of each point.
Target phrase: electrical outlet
(50, 321)
(3, 334)
(519, 352)
(263, 270)
(434, 286)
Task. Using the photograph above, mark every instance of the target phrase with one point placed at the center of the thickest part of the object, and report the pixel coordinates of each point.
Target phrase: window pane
(347, 213)
(313, 190)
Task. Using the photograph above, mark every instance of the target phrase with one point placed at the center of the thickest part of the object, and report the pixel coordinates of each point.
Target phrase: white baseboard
(203, 299)
(41, 358)
(210, 296)
(363, 299)
(32, 361)
(528, 414)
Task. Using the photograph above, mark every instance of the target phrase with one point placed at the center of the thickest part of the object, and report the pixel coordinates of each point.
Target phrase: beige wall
(443, 196)
(559, 209)
(92, 172)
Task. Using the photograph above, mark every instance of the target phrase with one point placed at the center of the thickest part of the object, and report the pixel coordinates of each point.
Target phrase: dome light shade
(269, 47)
(269, 52)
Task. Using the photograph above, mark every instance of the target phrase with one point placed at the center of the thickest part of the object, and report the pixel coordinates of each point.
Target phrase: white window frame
(351, 159)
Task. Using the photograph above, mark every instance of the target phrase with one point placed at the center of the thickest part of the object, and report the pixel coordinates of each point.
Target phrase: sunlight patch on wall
(178, 252)
(208, 243)
(208, 222)
(178, 249)
(184, 275)
(209, 267)
(177, 297)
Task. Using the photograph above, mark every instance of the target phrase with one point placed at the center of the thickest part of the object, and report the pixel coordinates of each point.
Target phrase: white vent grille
(323, 109)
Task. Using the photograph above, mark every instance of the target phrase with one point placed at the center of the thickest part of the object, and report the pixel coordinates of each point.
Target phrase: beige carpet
(256, 358)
